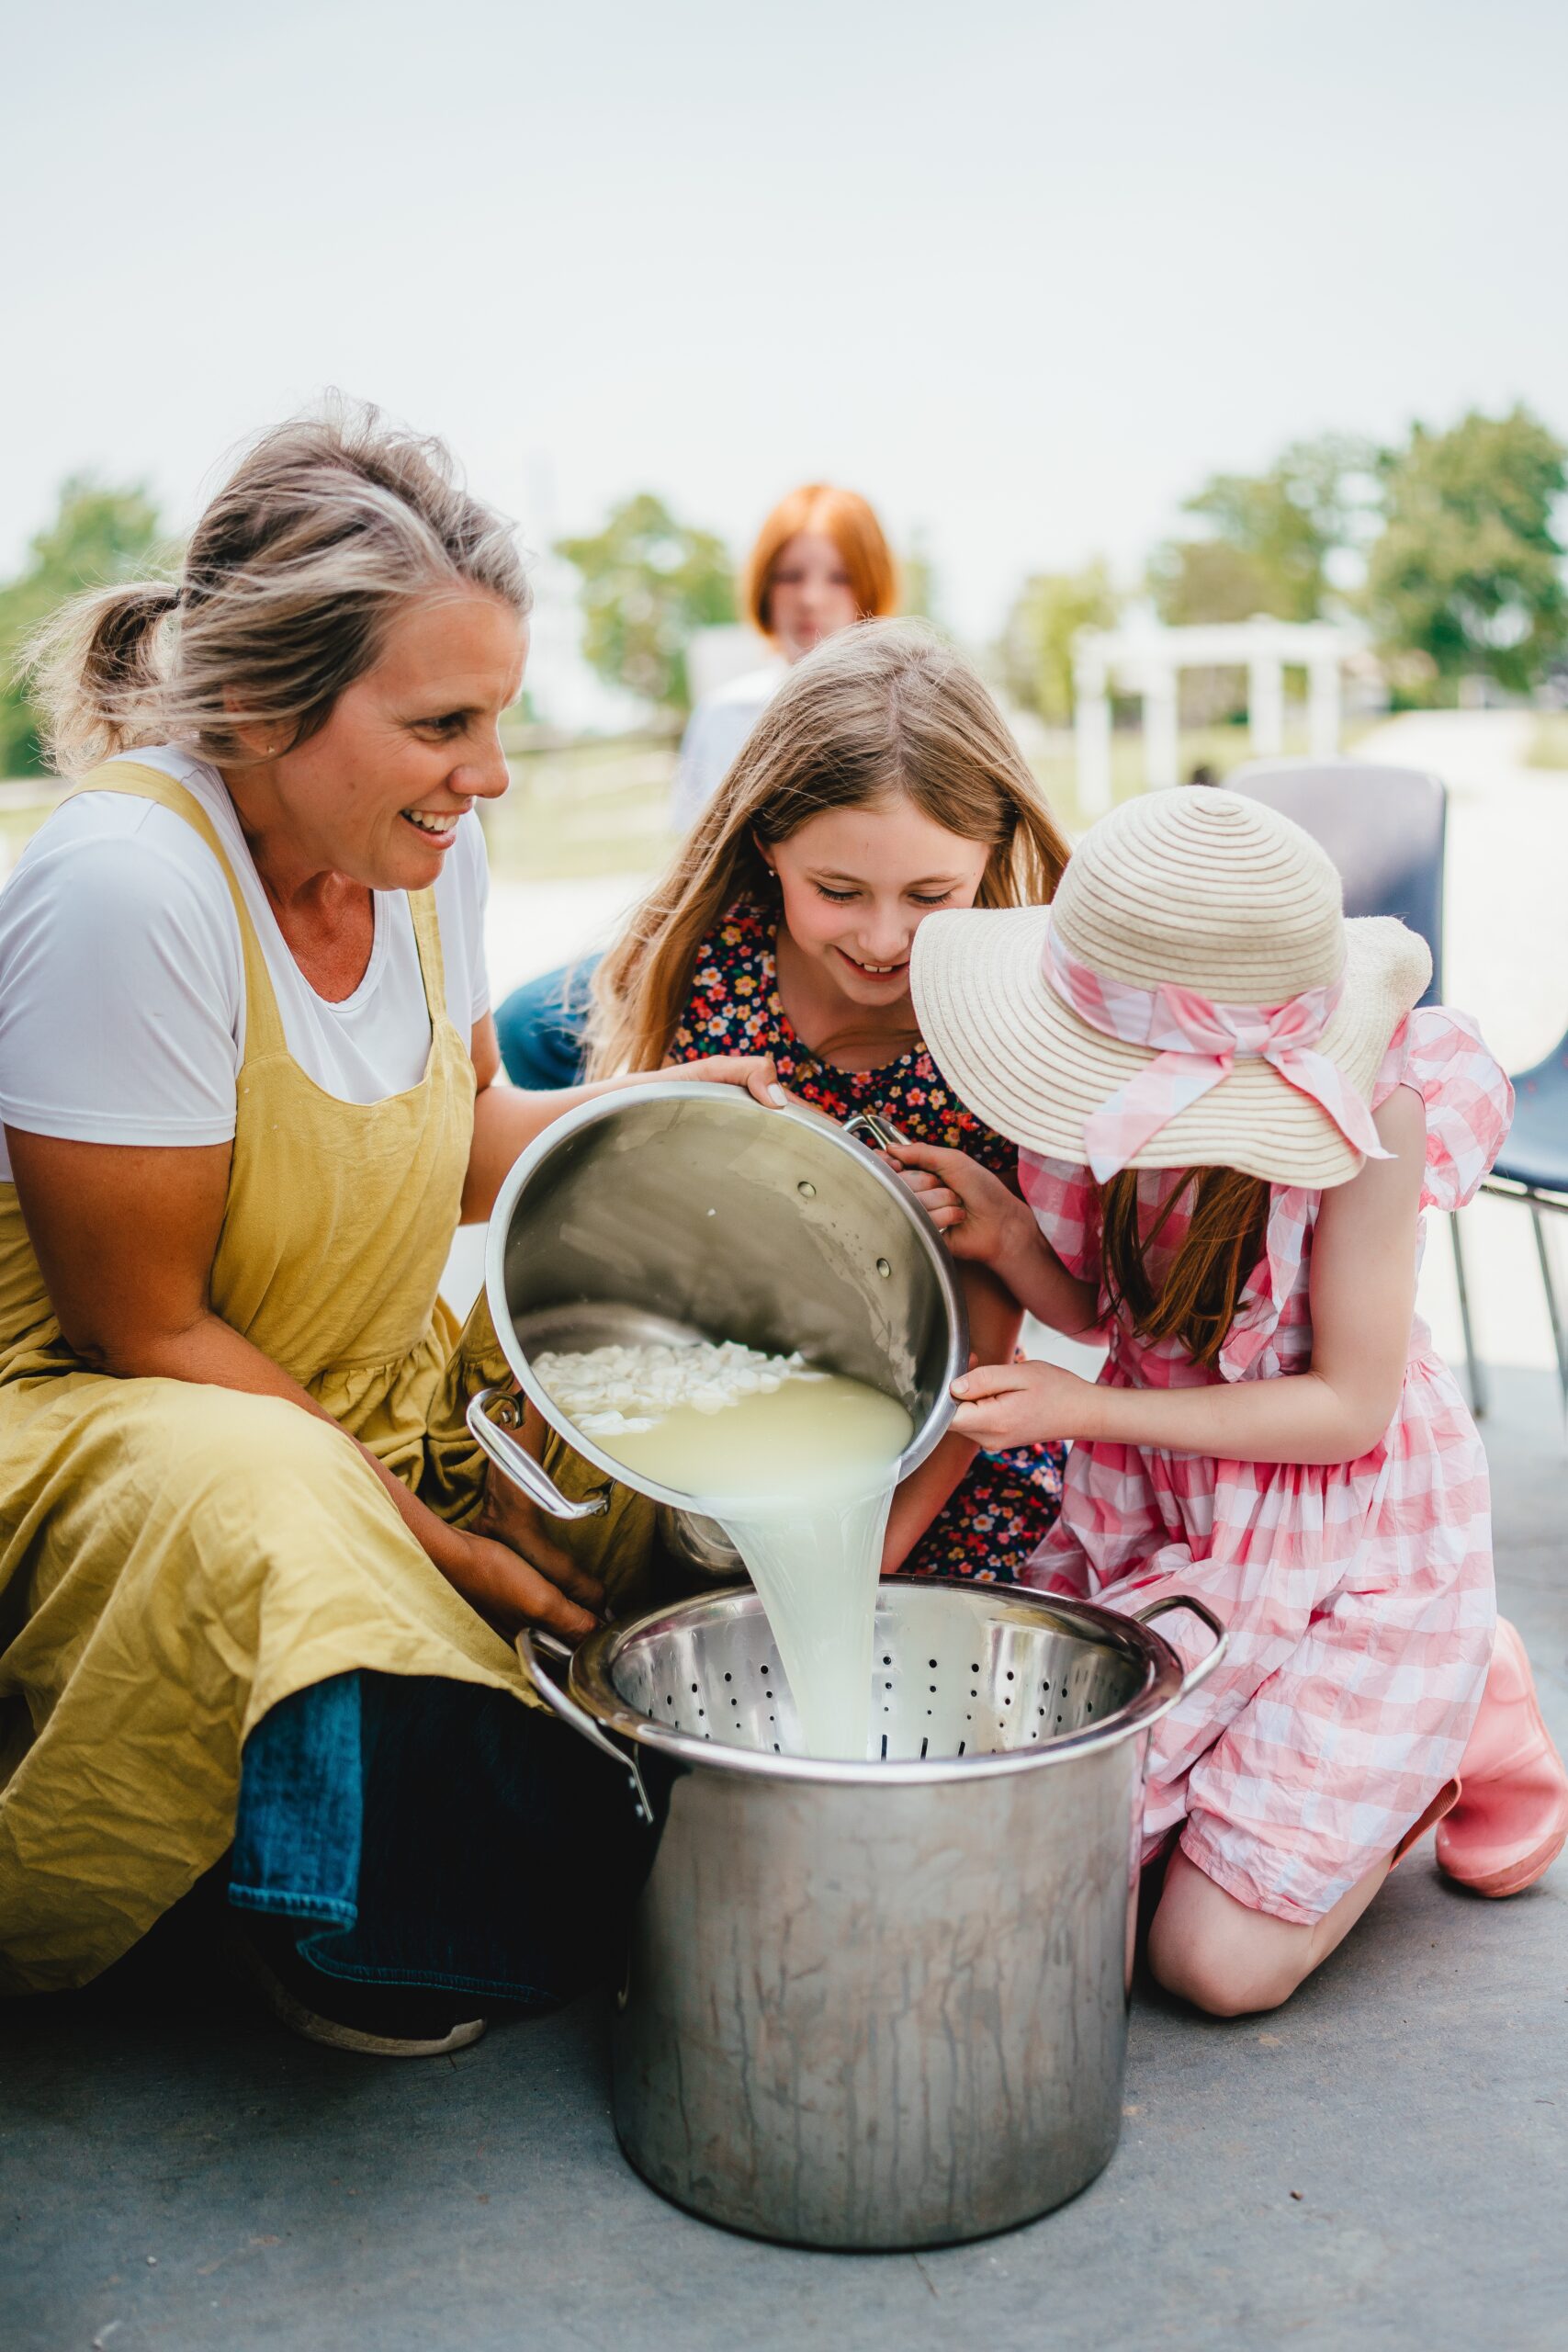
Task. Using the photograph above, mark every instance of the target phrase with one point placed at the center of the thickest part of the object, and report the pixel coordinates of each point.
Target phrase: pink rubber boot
(1511, 1820)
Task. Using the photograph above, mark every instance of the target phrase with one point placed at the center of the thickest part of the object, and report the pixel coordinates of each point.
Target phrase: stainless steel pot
(684, 1210)
(881, 2004)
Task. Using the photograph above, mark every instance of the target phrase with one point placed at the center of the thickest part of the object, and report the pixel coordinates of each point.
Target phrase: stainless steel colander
(881, 2004)
(957, 1671)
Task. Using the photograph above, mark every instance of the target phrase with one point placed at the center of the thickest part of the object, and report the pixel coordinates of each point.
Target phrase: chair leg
(1479, 1396)
(1559, 1338)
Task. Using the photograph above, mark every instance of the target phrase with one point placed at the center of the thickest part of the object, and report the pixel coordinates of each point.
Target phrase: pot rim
(726, 1099)
(589, 1685)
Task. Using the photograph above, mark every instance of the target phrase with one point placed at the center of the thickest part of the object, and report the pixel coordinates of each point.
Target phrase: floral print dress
(1007, 1503)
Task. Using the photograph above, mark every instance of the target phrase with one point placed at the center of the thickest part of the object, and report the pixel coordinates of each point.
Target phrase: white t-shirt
(714, 732)
(122, 993)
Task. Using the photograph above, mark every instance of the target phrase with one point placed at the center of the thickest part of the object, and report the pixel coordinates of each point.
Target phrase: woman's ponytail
(328, 529)
(95, 671)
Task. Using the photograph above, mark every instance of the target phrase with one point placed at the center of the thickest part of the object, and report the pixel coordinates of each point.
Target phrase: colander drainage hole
(934, 1690)
(962, 1745)
(887, 1661)
(1009, 1674)
(884, 1747)
(932, 1663)
(924, 1745)
(974, 1666)
(730, 1677)
(888, 1686)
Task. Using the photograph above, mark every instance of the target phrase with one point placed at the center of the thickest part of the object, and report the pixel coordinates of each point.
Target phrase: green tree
(1272, 539)
(97, 535)
(1468, 572)
(648, 584)
(1037, 645)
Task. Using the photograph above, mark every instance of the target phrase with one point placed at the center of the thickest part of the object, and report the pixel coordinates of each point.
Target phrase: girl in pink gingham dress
(1358, 1595)
(1231, 1123)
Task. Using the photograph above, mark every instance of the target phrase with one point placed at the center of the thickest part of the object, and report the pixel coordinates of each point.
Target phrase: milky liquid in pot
(801, 1480)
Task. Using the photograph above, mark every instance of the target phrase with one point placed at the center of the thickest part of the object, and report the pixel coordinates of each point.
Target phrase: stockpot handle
(562, 1704)
(1205, 1666)
(517, 1463)
(869, 1127)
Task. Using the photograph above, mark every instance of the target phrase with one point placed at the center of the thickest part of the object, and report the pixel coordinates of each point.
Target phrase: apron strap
(263, 1023)
(427, 939)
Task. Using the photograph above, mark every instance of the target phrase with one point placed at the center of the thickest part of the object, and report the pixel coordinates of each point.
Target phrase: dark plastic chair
(1386, 831)
(1533, 1167)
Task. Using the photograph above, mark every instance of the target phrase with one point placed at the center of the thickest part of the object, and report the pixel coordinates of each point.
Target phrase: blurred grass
(1549, 744)
(591, 808)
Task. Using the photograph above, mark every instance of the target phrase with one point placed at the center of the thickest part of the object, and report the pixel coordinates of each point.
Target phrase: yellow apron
(174, 1558)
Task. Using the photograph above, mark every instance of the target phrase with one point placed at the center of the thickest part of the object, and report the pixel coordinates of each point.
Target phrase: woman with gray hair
(254, 1593)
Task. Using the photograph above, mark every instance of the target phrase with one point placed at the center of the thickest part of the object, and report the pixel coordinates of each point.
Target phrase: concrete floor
(1383, 2163)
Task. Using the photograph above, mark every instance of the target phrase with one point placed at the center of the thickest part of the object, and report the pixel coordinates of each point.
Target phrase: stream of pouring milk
(800, 1475)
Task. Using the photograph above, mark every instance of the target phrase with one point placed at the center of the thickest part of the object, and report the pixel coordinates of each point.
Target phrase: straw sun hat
(1194, 998)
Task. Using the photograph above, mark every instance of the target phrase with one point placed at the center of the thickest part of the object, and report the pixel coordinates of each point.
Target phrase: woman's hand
(1003, 1405)
(518, 1573)
(509, 1591)
(980, 1218)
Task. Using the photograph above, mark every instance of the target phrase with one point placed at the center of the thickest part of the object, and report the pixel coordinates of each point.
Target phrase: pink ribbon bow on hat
(1196, 1043)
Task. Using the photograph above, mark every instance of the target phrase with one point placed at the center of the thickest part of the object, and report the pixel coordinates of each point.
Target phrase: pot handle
(1205, 1666)
(561, 1703)
(871, 1128)
(517, 1463)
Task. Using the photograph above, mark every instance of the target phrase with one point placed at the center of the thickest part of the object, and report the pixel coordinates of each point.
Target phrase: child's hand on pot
(977, 1216)
(1002, 1405)
(758, 1073)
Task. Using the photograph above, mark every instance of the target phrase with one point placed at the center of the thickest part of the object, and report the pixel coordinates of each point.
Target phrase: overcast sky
(1023, 271)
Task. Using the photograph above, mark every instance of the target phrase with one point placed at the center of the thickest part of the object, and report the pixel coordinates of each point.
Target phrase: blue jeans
(541, 1027)
(434, 1833)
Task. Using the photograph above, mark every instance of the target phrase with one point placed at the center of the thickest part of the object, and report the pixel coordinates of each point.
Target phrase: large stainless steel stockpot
(884, 2004)
(684, 1210)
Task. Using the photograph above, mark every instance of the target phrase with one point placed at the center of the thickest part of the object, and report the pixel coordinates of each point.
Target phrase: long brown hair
(1195, 1299)
(880, 710)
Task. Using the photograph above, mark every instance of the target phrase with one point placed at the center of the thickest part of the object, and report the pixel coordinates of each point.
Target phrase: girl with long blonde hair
(880, 784)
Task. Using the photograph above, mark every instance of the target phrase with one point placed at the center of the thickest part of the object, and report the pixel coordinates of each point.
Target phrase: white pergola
(1147, 660)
